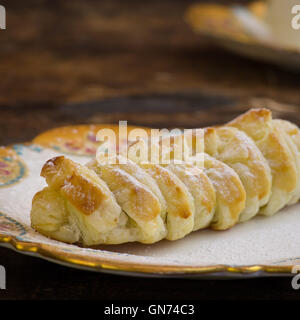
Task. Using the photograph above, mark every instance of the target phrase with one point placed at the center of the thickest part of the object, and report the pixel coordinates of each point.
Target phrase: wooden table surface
(66, 62)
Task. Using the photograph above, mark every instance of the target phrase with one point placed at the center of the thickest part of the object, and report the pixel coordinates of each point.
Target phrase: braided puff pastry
(230, 195)
(271, 139)
(251, 165)
(292, 138)
(234, 148)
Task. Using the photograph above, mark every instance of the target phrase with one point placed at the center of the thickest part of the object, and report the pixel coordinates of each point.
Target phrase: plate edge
(72, 259)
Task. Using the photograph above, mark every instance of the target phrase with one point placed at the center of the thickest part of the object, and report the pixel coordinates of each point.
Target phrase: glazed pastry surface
(247, 167)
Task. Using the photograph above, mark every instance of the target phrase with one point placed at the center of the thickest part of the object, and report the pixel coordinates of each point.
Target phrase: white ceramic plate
(260, 247)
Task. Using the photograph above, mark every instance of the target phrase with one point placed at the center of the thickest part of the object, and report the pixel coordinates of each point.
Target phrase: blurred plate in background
(242, 30)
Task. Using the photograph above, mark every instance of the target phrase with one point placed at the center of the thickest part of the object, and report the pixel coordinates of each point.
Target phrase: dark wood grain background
(66, 62)
(131, 56)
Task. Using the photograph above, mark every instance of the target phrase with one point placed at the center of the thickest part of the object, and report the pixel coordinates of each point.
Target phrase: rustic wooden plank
(54, 52)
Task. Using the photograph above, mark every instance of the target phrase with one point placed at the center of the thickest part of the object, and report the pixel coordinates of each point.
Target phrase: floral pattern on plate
(12, 168)
(77, 140)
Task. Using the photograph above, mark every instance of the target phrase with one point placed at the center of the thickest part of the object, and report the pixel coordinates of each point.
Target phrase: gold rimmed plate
(240, 30)
(260, 247)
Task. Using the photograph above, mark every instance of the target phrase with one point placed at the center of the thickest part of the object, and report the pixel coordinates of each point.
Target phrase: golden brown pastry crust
(135, 199)
(258, 125)
(230, 193)
(201, 190)
(61, 174)
(234, 148)
(292, 136)
(89, 206)
(180, 205)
